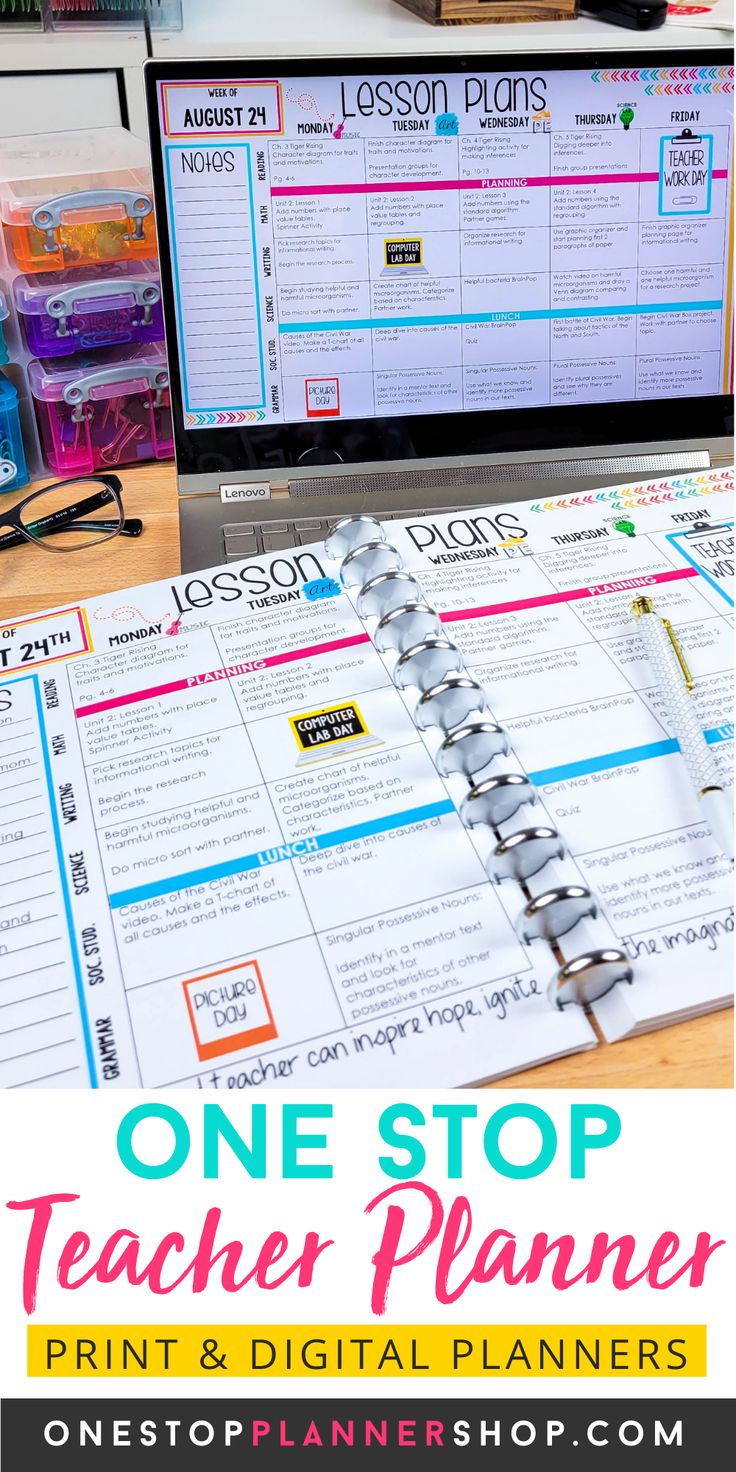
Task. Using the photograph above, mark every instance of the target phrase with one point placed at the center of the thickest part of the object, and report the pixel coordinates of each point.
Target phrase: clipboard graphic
(701, 546)
(685, 173)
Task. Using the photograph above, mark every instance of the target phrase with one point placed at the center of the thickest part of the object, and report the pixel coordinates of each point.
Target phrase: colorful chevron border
(680, 74)
(206, 417)
(629, 498)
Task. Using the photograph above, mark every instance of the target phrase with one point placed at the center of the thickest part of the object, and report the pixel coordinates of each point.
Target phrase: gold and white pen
(675, 684)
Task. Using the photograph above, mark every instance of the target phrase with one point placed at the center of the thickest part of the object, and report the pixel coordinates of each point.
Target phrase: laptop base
(300, 510)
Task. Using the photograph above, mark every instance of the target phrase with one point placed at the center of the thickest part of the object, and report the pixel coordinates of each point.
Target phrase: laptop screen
(497, 243)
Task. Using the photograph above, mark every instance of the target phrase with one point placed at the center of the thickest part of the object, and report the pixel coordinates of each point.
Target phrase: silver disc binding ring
(552, 914)
(386, 591)
(524, 853)
(351, 532)
(427, 663)
(589, 977)
(469, 750)
(411, 628)
(495, 799)
(449, 703)
(367, 561)
(406, 626)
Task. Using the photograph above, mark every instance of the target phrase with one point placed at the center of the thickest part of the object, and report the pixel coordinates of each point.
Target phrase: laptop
(328, 734)
(575, 328)
(403, 257)
(403, 271)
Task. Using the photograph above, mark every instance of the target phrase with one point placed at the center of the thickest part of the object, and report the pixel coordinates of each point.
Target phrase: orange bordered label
(229, 1010)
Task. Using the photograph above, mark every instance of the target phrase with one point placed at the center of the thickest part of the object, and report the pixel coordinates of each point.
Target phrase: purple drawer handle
(62, 304)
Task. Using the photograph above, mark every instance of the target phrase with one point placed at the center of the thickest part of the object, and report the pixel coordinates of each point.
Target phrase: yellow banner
(530, 1351)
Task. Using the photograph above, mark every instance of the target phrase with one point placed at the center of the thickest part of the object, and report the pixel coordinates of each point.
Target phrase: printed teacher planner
(393, 245)
(228, 859)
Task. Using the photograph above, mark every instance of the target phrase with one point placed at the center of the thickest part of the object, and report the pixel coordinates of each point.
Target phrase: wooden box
(489, 12)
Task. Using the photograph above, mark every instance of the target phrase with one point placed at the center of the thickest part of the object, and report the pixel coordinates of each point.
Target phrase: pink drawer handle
(77, 394)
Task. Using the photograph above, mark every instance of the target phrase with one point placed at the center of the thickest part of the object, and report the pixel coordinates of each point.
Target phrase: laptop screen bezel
(266, 450)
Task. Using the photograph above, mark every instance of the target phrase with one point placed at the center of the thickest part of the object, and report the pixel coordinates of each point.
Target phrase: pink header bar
(539, 181)
(227, 672)
(572, 595)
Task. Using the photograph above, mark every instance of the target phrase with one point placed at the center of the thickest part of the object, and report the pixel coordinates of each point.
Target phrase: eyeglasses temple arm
(13, 539)
(131, 527)
(71, 513)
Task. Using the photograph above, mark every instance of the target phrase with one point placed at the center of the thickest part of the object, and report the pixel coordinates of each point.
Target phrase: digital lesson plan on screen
(359, 246)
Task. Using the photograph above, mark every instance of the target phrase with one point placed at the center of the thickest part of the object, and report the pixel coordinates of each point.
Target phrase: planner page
(197, 889)
(538, 597)
(232, 862)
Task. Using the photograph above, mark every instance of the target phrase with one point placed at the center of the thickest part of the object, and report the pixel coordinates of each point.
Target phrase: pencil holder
(65, 312)
(13, 471)
(97, 412)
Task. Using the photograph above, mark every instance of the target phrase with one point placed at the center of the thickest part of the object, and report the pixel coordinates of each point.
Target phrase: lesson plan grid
(312, 833)
(317, 832)
(547, 239)
(244, 907)
(493, 223)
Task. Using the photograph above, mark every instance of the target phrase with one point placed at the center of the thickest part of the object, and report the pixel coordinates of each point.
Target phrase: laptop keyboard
(243, 538)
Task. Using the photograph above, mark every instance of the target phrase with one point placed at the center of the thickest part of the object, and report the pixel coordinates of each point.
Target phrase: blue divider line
(279, 853)
(714, 734)
(544, 314)
(624, 758)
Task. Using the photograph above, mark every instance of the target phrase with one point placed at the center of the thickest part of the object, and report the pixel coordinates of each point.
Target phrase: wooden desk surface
(695, 1054)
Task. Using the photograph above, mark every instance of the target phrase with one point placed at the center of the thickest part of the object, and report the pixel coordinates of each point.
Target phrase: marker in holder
(556, 908)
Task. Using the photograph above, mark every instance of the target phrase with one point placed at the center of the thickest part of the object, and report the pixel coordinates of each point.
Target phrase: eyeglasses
(67, 511)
